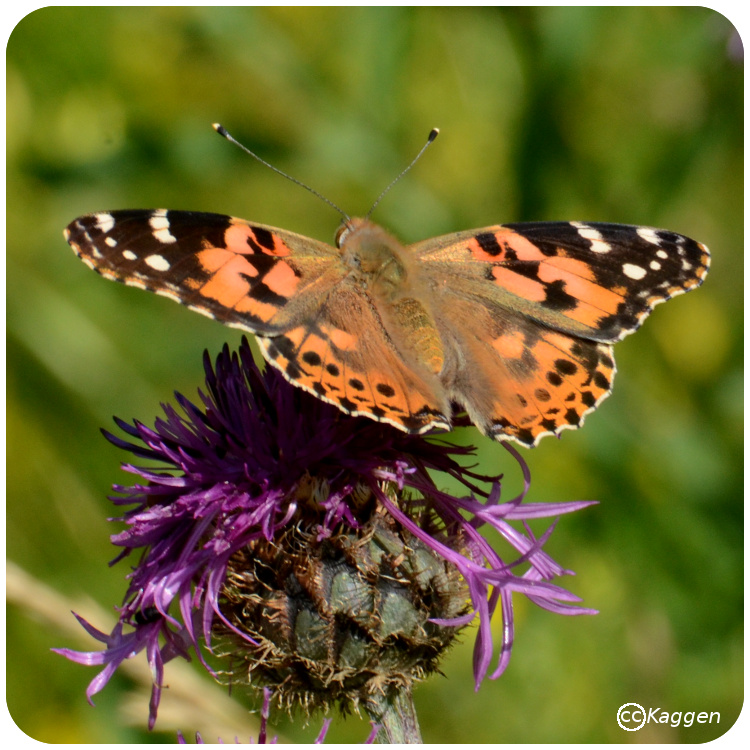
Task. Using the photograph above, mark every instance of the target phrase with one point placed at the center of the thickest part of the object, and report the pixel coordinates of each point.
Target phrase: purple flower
(258, 464)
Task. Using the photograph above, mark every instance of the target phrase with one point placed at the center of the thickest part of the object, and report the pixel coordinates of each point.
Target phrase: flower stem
(397, 718)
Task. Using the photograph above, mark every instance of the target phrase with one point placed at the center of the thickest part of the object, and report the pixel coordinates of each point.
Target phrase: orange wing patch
(254, 239)
(551, 387)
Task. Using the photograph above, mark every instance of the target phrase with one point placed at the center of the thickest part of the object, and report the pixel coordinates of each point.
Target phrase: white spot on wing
(600, 246)
(202, 310)
(654, 265)
(648, 234)
(104, 221)
(159, 224)
(633, 271)
(168, 294)
(129, 255)
(594, 236)
(111, 241)
(157, 262)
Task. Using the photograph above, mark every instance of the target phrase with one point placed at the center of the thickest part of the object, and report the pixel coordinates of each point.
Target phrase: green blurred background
(627, 115)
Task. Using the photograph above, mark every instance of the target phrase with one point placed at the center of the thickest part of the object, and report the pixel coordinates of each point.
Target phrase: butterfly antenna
(221, 130)
(430, 138)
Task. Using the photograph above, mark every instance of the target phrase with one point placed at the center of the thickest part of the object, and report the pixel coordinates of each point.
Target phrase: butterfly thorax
(381, 265)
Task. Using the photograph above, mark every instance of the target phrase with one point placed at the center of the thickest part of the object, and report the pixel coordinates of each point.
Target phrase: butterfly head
(377, 260)
(348, 228)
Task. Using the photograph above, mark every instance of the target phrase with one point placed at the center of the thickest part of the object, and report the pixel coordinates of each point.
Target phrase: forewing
(245, 275)
(593, 280)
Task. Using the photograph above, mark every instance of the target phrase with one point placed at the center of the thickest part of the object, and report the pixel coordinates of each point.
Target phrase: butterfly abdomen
(418, 332)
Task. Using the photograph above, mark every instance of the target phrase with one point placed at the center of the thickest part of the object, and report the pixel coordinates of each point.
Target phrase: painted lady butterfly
(514, 322)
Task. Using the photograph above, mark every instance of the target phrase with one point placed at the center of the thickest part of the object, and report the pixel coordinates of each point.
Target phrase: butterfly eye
(341, 233)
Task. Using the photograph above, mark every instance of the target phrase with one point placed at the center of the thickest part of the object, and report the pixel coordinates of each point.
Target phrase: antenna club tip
(433, 134)
(220, 129)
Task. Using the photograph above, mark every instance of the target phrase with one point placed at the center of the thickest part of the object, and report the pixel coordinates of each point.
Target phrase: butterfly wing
(530, 310)
(346, 357)
(516, 378)
(317, 328)
(244, 275)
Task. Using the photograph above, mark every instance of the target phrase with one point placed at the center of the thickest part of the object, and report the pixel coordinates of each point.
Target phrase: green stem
(397, 718)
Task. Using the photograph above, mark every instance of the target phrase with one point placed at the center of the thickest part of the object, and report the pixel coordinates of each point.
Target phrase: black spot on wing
(588, 399)
(556, 298)
(347, 404)
(565, 367)
(488, 242)
(527, 268)
(525, 436)
(293, 370)
(264, 237)
(572, 417)
(311, 358)
(385, 390)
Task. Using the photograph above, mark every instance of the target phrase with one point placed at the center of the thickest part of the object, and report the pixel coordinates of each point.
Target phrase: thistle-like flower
(313, 550)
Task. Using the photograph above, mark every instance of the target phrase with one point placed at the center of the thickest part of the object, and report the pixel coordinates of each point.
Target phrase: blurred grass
(608, 114)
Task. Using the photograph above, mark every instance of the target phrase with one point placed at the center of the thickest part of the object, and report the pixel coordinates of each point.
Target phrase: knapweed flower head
(314, 550)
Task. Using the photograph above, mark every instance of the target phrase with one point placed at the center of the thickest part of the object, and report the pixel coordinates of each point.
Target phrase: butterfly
(513, 323)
